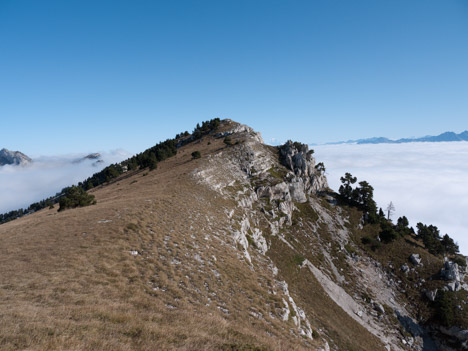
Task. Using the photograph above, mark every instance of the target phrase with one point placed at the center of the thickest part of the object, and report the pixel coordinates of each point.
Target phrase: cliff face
(243, 248)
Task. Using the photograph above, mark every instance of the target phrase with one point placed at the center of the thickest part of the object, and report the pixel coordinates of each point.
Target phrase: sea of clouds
(427, 182)
(21, 186)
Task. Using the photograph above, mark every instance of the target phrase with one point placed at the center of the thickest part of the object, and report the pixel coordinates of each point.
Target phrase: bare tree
(390, 209)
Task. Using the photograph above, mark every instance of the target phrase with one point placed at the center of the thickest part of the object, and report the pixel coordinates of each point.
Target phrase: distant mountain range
(8, 157)
(447, 136)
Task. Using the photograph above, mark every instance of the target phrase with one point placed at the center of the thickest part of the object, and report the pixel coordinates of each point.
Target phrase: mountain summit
(216, 241)
(8, 157)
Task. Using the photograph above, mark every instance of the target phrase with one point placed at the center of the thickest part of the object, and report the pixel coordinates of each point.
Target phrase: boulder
(415, 259)
(287, 207)
(379, 308)
(450, 271)
(404, 268)
(297, 190)
(431, 294)
(454, 286)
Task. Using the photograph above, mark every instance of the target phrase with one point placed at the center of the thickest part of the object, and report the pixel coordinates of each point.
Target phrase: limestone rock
(454, 286)
(404, 268)
(325, 347)
(287, 208)
(239, 129)
(450, 271)
(415, 259)
(298, 158)
(379, 308)
(296, 189)
(431, 295)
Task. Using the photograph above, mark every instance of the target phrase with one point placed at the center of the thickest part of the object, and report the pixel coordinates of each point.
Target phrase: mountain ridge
(443, 137)
(242, 248)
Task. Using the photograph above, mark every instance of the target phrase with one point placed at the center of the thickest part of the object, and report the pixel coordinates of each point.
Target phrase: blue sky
(83, 76)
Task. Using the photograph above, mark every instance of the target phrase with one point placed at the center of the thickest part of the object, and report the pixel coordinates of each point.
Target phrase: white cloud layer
(20, 186)
(427, 182)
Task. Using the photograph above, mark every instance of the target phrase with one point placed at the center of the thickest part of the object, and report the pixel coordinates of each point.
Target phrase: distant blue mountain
(447, 136)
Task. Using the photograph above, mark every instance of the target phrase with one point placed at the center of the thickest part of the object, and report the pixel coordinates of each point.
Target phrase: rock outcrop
(458, 336)
(431, 295)
(306, 178)
(450, 271)
(415, 259)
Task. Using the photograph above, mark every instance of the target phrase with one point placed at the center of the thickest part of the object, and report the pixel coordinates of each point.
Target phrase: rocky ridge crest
(272, 188)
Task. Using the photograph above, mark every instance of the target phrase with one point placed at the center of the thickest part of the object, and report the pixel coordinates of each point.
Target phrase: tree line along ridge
(360, 196)
(76, 196)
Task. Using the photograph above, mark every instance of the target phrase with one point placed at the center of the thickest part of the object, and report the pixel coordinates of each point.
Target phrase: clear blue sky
(99, 75)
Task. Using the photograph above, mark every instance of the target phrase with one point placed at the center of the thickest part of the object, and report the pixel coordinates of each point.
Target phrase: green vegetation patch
(306, 211)
(277, 173)
(298, 260)
(196, 154)
(76, 197)
(228, 141)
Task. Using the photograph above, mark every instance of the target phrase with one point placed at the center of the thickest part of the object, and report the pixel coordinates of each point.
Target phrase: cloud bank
(22, 185)
(427, 182)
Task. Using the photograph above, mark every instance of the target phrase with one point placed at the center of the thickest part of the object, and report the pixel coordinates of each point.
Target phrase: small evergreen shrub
(460, 260)
(196, 154)
(444, 308)
(228, 141)
(76, 197)
(298, 259)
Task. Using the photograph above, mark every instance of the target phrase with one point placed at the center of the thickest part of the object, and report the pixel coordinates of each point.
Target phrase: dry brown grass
(69, 282)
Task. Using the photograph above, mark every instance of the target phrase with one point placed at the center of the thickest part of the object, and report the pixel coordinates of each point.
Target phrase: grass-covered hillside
(225, 244)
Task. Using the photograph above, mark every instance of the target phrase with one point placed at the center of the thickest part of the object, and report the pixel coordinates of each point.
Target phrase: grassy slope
(68, 280)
